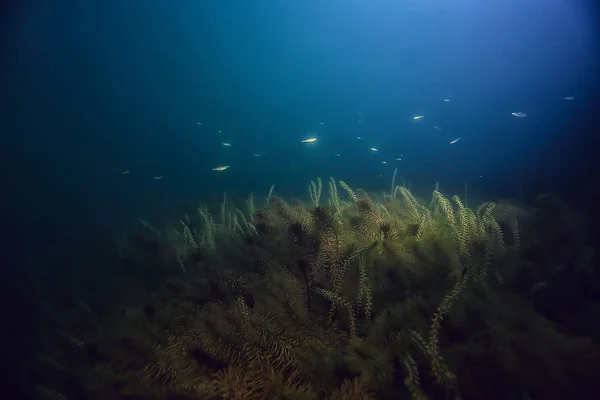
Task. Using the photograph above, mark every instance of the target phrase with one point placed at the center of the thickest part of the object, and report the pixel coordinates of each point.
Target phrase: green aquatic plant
(356, 296)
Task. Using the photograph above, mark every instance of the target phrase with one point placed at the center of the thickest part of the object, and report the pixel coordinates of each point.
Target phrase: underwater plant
(356, 297)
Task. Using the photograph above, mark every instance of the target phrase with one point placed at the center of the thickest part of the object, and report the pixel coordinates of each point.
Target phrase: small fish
(358, 137)
(455, 140)
(437, 127)
(398, 159)
(219, 131)
(321, 123)
(198, 123)
(519, 114)
(158, 178)
(447, 100)
(374, 149)
(309, 140)
(125, 172)
(256, 155)
(226, 144)
(417, 117)
(384, 162)
(337, 155)
(569, 98)
(221, 168)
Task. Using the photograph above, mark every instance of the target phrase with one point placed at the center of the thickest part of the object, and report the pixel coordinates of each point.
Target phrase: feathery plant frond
(315, 190)
(436, 189)
(414, 208)
(339, 302)
(208, 231)
(334, 198)
(246, 227)
(441, 372)
(464, 232)
(224, 209)
(446, 207)
(412, 378)
(353, 389)
(270, 194)
(188, 235)
(350, 192)
(147, 225)
(251, 207)
(365, 299)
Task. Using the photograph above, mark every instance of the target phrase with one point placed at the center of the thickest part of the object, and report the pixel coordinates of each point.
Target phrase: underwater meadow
(346, 295)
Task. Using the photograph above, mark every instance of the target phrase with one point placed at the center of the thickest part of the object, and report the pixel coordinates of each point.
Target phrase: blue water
(94, 88)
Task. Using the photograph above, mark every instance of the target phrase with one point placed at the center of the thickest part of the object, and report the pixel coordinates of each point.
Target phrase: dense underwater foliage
(348, 296)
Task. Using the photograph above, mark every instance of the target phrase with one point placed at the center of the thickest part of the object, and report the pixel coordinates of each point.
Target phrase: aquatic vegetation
(355, 296)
